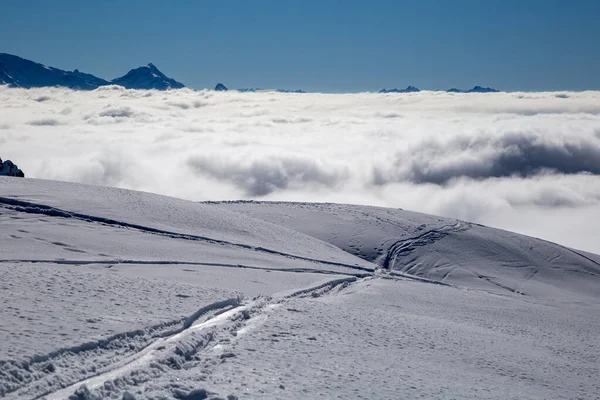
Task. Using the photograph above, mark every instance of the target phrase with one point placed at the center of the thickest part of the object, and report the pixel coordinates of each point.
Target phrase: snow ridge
(33, 208)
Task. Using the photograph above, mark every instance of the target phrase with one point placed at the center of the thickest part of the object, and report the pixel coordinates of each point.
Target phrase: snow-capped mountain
(409, 89)
(19, 72)
(148, 77)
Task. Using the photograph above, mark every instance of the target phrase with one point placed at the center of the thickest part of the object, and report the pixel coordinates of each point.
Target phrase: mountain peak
(221, 88)
(148, 77)
(153, 68)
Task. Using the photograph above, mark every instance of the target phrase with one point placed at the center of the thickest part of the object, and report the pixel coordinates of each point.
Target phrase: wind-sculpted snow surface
(383, 339)
(367, 232)
(439, 249)
(153, 214)
(502, 159)
(109, 293)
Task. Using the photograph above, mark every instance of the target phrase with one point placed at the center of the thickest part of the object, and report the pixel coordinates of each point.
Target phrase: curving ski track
(196, 335)
(407, 246)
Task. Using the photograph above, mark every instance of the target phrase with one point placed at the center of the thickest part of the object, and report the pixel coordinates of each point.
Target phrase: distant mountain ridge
(19, 72)
(413, 89)
(476, 89)
(222, 88)
(16, 71)
(253, 90)
(409, 89)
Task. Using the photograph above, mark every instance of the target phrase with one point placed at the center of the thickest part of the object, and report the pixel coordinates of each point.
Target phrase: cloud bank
(523, 154)
(528, 162)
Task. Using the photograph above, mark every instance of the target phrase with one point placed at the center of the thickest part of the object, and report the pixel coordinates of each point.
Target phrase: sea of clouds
(528, 162)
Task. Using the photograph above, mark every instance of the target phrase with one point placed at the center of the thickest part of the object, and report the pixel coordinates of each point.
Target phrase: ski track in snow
(122, 342)
(195, 336)
(405, 246)
(159, 344)
(111, 263)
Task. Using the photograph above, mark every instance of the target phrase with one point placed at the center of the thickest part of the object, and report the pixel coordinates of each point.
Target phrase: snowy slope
(440, 249)
(168, 216)
(385, 339)
(367, 232)
(109, 293)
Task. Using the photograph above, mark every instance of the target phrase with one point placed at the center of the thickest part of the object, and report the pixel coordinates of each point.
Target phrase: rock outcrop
(8, 168)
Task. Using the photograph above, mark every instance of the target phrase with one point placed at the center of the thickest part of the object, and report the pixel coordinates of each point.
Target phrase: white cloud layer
(528, 162)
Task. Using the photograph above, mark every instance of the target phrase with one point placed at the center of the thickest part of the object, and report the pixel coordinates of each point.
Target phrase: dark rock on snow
(7, 168)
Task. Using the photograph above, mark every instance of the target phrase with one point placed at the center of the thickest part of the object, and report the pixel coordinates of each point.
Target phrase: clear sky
(320, 45)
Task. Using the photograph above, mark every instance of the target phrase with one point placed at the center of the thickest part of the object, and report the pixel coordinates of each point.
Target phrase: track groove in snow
(151, 353)
(321, 288)
(417, 278)
(111, 263)
(119, 344)
(406, 246)
(34, 208)
(193, 341)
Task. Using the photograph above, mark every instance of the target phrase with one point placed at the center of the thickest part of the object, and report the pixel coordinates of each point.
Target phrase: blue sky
(330, 46)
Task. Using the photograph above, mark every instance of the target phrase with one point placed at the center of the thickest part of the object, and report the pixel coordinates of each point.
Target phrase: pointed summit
(155, 70)
(148, 77)
(221, 88)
